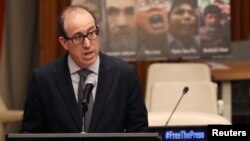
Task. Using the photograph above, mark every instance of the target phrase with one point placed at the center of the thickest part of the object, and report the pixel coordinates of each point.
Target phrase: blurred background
(28, 39)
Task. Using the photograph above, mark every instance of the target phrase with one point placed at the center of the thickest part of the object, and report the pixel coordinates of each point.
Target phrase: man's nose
(86, 43)
(187, 15)
(122, 20)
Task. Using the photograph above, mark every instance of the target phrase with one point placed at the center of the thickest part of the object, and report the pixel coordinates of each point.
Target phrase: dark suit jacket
(51, 106)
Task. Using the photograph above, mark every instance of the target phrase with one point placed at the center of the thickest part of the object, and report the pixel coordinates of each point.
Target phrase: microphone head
(89, 85)
(185, 90)
(91, 79)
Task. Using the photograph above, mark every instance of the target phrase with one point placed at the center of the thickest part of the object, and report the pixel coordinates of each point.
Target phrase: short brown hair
(61, 18)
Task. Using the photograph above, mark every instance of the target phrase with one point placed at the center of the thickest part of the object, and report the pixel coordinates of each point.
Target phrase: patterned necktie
(86, 115)
(83, 73)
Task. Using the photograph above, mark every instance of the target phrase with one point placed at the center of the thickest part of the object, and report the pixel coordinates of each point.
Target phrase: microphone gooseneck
(185, 90)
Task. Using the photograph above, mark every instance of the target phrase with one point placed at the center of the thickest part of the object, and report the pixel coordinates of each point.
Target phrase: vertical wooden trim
(48, 32)
(240, 22)
(49, 12)
(246, 19)
(1, 25)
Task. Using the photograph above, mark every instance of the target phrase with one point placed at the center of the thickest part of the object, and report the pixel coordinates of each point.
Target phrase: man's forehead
(183, 6)
(78, 18)
(120, 3)
(77, 13)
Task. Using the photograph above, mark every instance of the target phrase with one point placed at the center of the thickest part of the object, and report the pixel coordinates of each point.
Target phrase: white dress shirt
(73, 68)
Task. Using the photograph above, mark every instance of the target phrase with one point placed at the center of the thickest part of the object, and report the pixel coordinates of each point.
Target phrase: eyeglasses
(78, 39)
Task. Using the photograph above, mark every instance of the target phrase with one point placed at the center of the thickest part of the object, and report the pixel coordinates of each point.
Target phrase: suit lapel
(104, 84)
(65, 85)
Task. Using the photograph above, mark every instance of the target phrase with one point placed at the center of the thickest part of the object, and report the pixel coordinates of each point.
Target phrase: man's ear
(63, 42)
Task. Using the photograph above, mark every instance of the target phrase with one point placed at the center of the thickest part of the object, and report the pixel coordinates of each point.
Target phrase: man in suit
(51, 105)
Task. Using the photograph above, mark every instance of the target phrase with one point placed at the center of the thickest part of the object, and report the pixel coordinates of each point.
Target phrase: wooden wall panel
(49, 45)
(1, 25)
(240, 19)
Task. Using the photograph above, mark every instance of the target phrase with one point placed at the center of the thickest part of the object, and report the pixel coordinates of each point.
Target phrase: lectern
(85, 137)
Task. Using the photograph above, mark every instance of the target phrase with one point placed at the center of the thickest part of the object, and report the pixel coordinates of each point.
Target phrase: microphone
(185, 90)
(89, 85)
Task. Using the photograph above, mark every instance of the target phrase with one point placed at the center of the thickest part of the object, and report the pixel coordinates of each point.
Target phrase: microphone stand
(86, 95)
(185, 90)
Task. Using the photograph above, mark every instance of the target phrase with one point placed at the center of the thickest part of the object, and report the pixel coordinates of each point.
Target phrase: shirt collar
(73, 67)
